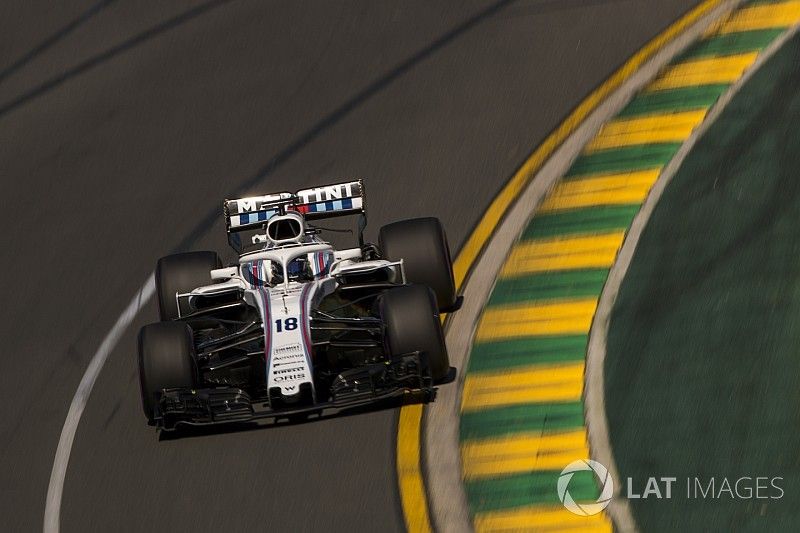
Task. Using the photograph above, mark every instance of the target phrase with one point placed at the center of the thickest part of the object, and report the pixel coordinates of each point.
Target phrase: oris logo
(290, 377)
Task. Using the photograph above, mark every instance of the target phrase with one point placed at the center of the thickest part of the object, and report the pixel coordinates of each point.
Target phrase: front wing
(351, 388)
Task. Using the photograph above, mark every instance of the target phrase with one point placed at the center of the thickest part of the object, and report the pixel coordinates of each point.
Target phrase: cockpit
(280, 268)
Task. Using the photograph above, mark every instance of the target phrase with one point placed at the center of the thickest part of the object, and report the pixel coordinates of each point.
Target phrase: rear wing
(329, 201)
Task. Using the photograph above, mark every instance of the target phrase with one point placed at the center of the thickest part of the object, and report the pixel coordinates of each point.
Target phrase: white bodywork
(285, 305)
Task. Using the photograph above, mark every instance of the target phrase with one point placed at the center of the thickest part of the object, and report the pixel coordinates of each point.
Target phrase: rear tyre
(181, 273)
(422, 245)
(166, 361)
(412, 324)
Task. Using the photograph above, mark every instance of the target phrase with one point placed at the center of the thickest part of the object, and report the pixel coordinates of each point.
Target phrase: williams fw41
(295, 326)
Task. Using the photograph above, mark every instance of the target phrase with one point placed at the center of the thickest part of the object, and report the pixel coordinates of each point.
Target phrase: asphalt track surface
(123, 126)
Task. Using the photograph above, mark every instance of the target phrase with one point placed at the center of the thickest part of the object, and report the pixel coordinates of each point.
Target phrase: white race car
(295, 327)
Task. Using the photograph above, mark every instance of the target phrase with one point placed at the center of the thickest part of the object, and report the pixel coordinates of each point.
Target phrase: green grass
(703, 362)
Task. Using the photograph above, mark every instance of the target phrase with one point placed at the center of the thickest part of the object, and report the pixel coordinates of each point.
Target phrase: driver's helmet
(299, 269)
(275, 273)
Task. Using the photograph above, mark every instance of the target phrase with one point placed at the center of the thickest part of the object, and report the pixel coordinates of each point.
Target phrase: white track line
(52, 509)
(599, 442)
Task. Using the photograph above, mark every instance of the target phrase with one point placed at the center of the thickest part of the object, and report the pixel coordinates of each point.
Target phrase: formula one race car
(296, 327)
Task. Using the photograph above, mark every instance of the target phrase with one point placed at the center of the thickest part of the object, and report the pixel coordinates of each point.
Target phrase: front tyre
(411, 318)
(181, 273)
(422, 245)
(166, 361)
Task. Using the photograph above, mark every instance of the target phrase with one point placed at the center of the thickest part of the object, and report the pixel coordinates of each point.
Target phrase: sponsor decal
(331, 192)
(288, 370)
(297, 355)
(290, 377)
(257, 203)
(289, 348)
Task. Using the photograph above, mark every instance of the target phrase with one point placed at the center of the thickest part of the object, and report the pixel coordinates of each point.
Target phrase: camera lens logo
(585, 509)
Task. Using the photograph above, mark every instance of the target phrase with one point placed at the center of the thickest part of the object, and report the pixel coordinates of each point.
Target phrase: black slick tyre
(422, 245)
(166, 361)
(181, 273)
(412, 323)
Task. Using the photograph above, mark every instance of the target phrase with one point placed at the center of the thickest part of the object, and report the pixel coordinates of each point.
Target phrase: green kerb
(544, 418)
(549, 286)
(730, 44)
(581, 221)
(489, 356)
(626, 159)
(493, 494)
(674, 100)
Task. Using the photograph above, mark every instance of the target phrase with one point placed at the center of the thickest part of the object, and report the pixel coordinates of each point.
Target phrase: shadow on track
(317, 129)
(40, 48)
(331, 119)
(109, 54)
(550, 6)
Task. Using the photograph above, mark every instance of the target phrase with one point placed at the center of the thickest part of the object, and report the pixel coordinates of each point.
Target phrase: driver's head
(299, 269)
(276, 273)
